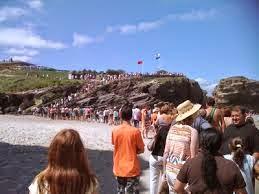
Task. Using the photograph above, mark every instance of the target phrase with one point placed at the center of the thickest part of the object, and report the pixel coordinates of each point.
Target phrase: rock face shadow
(19, 164)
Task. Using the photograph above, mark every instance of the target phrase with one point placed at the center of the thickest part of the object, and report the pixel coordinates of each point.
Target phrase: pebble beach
(23, 151)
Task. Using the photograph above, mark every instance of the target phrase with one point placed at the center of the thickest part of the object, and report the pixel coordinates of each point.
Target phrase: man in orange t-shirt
(128, 143)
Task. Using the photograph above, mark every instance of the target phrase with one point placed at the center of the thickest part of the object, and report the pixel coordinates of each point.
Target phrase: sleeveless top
(210, 117)
(178, 143)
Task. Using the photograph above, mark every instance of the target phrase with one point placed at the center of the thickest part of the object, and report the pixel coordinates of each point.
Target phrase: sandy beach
(23, 151)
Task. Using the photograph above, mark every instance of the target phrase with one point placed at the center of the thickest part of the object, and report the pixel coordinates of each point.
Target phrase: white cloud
(128, 29)
(19, 37)
(7, 13)
(201, 81)
(23, 51)
(145, 26)
(194, 15)
(35, 4)
(132, 29)
(21, 58)
(80, 39)
(206, 85)
(210, 88)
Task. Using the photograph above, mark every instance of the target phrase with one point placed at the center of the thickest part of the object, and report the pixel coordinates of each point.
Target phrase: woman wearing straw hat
(181, 142)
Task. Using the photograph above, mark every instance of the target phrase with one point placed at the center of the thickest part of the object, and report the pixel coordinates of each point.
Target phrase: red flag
(140, 62)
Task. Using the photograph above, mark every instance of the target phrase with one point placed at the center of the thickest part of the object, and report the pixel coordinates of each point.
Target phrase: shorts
(129, 185)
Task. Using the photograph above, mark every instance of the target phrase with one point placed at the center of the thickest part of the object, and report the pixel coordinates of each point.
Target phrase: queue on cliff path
(193, 149)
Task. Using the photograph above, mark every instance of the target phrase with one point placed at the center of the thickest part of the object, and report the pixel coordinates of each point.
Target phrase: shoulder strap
(211, 115)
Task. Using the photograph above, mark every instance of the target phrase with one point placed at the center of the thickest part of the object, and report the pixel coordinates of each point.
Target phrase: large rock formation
(138, 91)
(9, 103)
(238, 91)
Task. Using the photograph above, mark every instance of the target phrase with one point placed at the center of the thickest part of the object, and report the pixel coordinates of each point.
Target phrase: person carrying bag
(157, 146)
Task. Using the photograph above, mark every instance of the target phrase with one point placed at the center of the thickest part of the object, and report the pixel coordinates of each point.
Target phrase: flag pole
(142, 68)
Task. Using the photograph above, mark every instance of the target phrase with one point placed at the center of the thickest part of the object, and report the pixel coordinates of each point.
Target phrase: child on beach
(245, 162)
(68, 171)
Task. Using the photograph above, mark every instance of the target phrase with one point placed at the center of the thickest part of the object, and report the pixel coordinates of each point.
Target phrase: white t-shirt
(33, 188)
(136, 112)
(247, 171)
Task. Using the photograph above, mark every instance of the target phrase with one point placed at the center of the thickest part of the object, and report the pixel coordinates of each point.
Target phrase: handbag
(152, 143)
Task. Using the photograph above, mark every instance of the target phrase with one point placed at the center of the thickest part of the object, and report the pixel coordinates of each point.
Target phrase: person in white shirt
(136, 113)
(245, 162)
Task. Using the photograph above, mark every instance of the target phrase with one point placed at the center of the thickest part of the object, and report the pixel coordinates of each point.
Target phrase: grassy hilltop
(17, 80)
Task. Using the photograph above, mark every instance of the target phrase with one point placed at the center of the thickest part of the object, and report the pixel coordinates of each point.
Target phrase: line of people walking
(189, 153)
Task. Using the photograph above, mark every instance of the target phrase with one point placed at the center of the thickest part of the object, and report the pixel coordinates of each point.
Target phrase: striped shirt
(177, 147)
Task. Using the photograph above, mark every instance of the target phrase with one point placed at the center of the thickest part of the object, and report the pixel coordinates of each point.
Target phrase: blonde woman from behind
(67, 171)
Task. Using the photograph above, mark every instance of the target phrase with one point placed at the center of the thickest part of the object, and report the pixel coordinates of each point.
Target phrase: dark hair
(242, 109)
(210, 142)
(236, 145)
(227, 112)
(126, 111)
(210, 101)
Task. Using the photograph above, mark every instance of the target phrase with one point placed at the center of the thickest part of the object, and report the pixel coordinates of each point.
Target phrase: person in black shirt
(245, 130)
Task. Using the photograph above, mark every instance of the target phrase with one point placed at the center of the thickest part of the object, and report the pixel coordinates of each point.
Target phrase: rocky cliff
(10, 102)
(138, 91)
(238, 91)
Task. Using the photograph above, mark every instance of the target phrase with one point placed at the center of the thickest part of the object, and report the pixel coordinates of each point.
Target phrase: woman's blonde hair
(165, 109)
(67, 171)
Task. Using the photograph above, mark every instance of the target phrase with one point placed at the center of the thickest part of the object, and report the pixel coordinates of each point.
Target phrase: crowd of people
(120, 76)
(193, 149)
(59, 111)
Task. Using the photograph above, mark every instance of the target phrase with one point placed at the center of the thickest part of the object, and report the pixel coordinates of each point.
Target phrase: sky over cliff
(206, 40)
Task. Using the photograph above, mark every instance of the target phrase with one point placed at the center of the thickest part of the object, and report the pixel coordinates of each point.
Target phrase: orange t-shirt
(127, 143)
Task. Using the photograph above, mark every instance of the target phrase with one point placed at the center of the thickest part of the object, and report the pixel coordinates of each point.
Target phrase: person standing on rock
(214, 115)
(128, 143)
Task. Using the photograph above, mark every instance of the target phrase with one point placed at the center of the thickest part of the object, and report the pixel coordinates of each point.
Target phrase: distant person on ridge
(214, 115)
(128, 143)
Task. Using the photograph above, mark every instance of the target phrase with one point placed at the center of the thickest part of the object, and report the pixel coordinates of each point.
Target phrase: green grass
(23, 80)
(162, 79)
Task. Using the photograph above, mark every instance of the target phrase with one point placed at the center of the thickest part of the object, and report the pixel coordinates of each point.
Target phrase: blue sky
(204, 39)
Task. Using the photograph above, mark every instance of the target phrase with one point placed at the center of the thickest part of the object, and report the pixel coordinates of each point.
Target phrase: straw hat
(186, 109)
(156, 109)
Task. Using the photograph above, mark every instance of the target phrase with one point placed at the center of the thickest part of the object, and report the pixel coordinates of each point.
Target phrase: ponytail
(236, 146)
(209, 171)
(210, 142)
